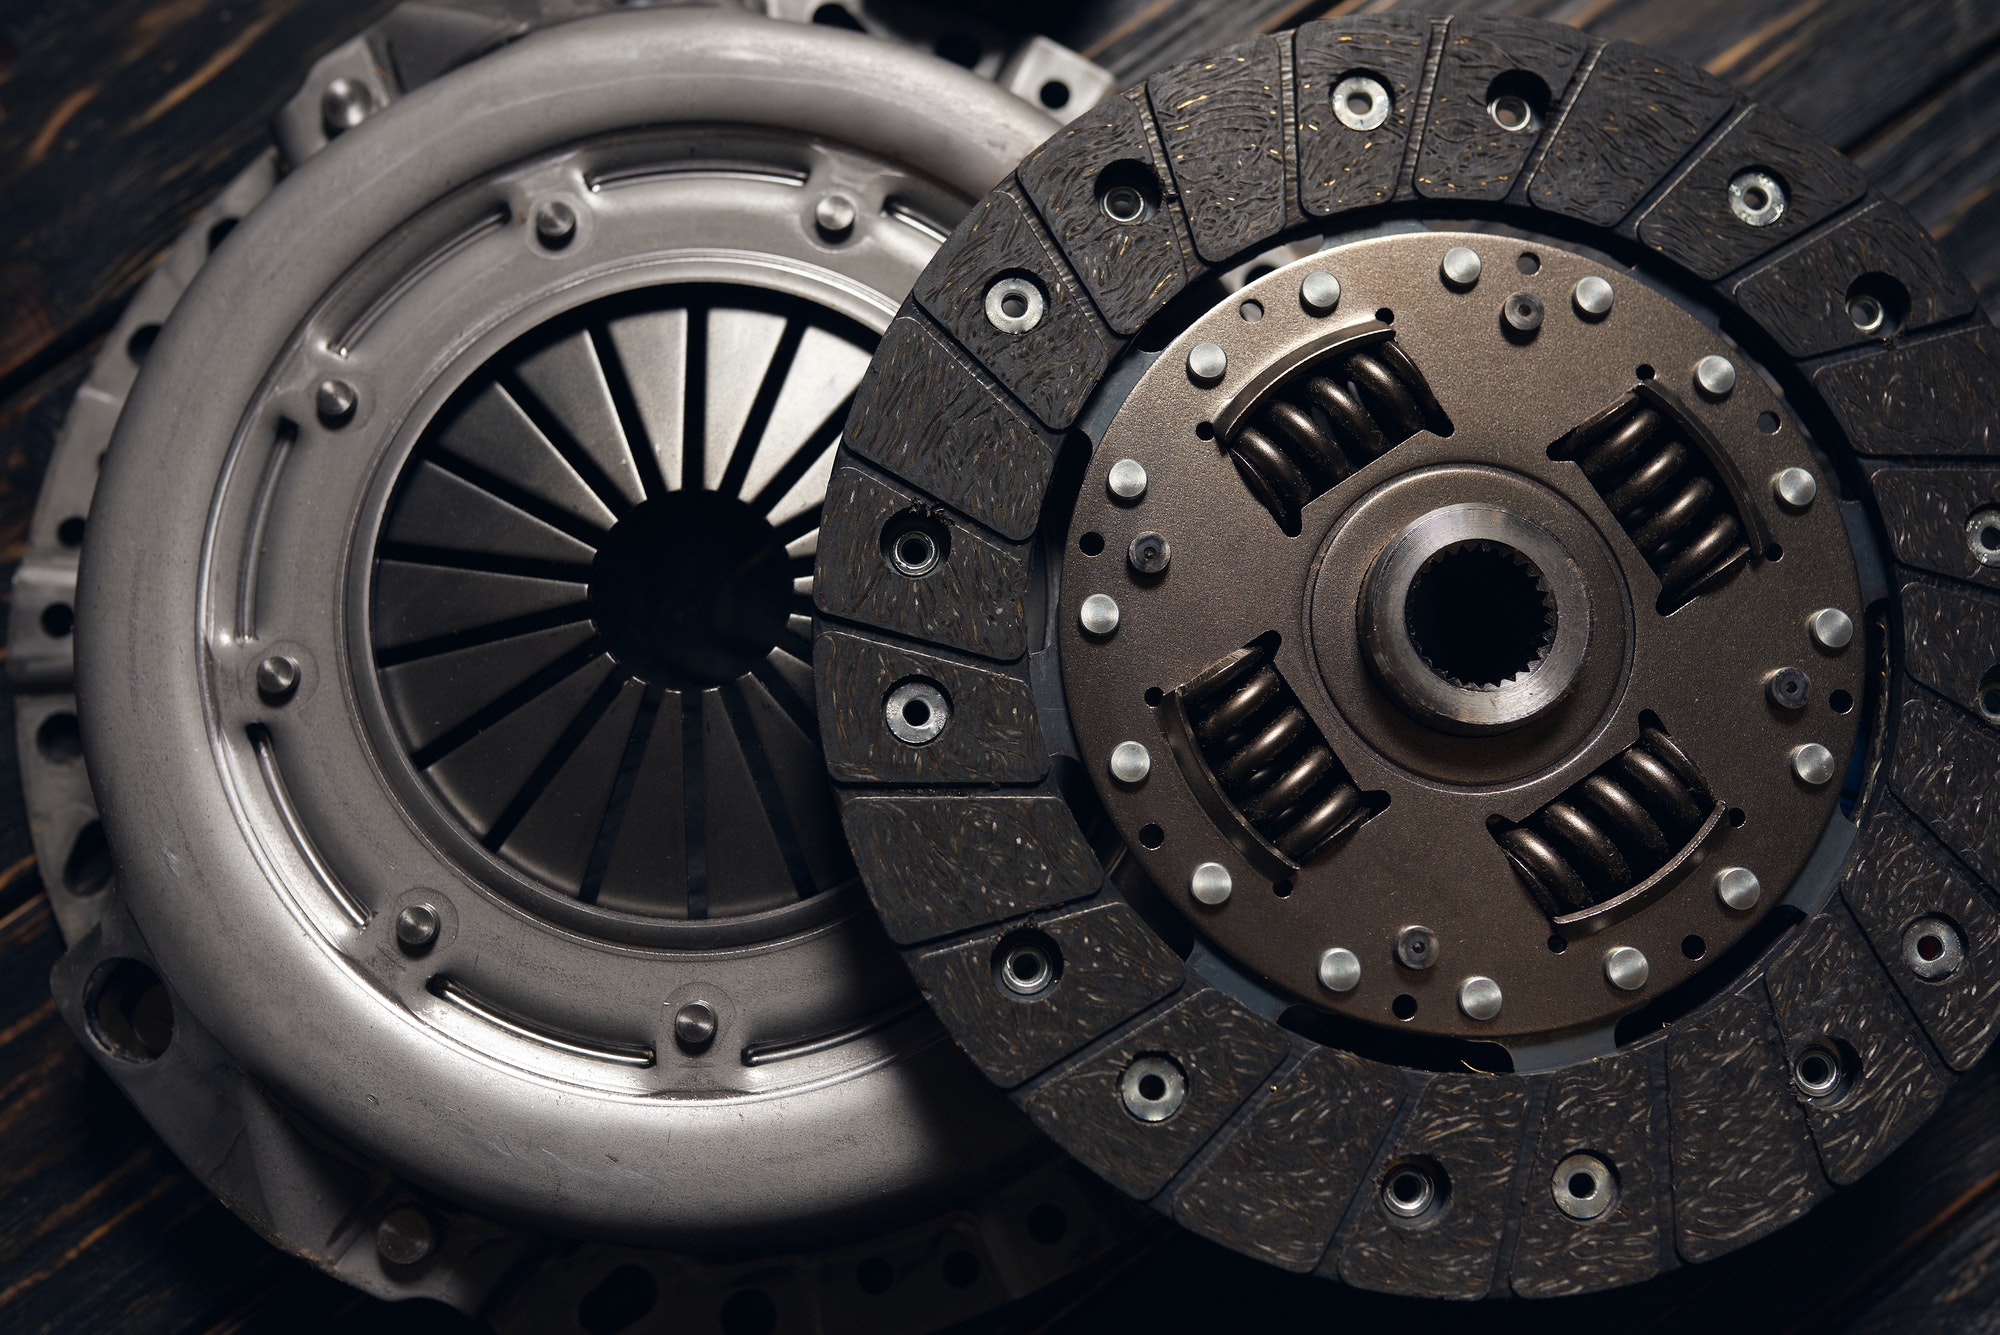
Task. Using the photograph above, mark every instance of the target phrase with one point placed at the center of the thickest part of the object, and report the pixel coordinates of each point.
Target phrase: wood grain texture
(1800, 295)
(924, 414)
(1130, 269)
(994, 734)
(1111, 966)
(1051, 367)
(1926, 510)
(1279, 1184)
(946, 864)
(1951, 640)
(1826, 986)
(1635, 117)
(1225, 1052)
(1693, 223)
(1612, 1108)
(1901, 873)
(1943, 770)
(1470, 1127)
(1465, 154)
(1743, 1160)
(976, 599)
(1221, 121)
(1921, 396)
(1342, 168)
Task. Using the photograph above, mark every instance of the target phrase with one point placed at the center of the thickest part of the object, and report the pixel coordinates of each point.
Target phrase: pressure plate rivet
(334, 401)
(694, 1026)
(1210, 884)
(834, 216)
(1626, 968)
(1128, 480)
(1789, 688)
(1522, 312)
(555, 223)
(1832, 628)
(1479, 997)
(1099, 614)
(1207, 363)
(1738, 888)
(344, 105)
(1319, 292)
(1339, 970)
(1460, 268)
(1593, 297)
(1813, 763)
(1715, 376)
(277, 678)
(1149, 554)
(1130, 762)
(405, 1236)
(417, 928)
(1795, 487)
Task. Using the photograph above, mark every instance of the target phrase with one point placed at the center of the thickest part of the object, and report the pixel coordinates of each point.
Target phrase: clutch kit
(1410, 651)
(466, 878)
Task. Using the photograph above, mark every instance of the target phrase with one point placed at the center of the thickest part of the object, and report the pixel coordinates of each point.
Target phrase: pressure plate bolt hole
(691, 590)
(1479, 614)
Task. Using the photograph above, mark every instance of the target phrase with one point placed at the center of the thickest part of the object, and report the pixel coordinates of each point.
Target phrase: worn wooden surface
(118, 117)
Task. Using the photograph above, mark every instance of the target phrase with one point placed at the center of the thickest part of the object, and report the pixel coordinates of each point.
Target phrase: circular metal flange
(647, 958)
(1332, 824)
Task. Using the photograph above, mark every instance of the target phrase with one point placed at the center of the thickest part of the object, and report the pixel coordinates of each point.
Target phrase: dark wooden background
(118, 118)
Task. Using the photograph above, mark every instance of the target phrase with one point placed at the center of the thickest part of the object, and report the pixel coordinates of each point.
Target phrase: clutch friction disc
(1410, 651)
(445, 851)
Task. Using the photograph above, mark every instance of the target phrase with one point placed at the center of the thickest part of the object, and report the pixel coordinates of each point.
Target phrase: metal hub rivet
(1757, 198)
(916, 712)
(1795, 487)
(1982, 536)
(1152, 1088)
(1319, 292)
(1360, 103)
(406, 1236)
(555, 223)
(1593, 297)
(1738, 888)
(834, 217)
(1416, 947)
(344, 105)
(277, 678)
(1479, 997)
(1099, 614)
(1207, 363)
(1014, 304)
(1933, 949)
(1584, 1186)
(1523, 312)
(1832, 628)
(1460, 268)
(1789, 688)
(1626, 967)
(1127, 480)
(1339, 970)
(694, 1026)
(1813, 764)
(1130, 762)
(1210, 884)
(1149, 554)
(1715, 376)
(417, 928)
(334, 400)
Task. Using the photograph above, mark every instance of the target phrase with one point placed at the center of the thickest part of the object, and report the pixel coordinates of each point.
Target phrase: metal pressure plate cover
(457, 865)
(1442, 733)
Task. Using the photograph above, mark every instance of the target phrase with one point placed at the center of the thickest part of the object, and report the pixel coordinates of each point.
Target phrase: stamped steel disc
(457, 866)
(1409, 649)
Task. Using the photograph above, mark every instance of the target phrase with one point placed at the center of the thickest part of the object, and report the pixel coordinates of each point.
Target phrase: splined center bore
(1480, 614)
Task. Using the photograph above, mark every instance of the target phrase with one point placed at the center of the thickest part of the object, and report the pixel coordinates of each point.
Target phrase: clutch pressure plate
(1409, 650)
(456, 870)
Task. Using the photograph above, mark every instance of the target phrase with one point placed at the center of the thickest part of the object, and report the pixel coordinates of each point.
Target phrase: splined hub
(1508, 809)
